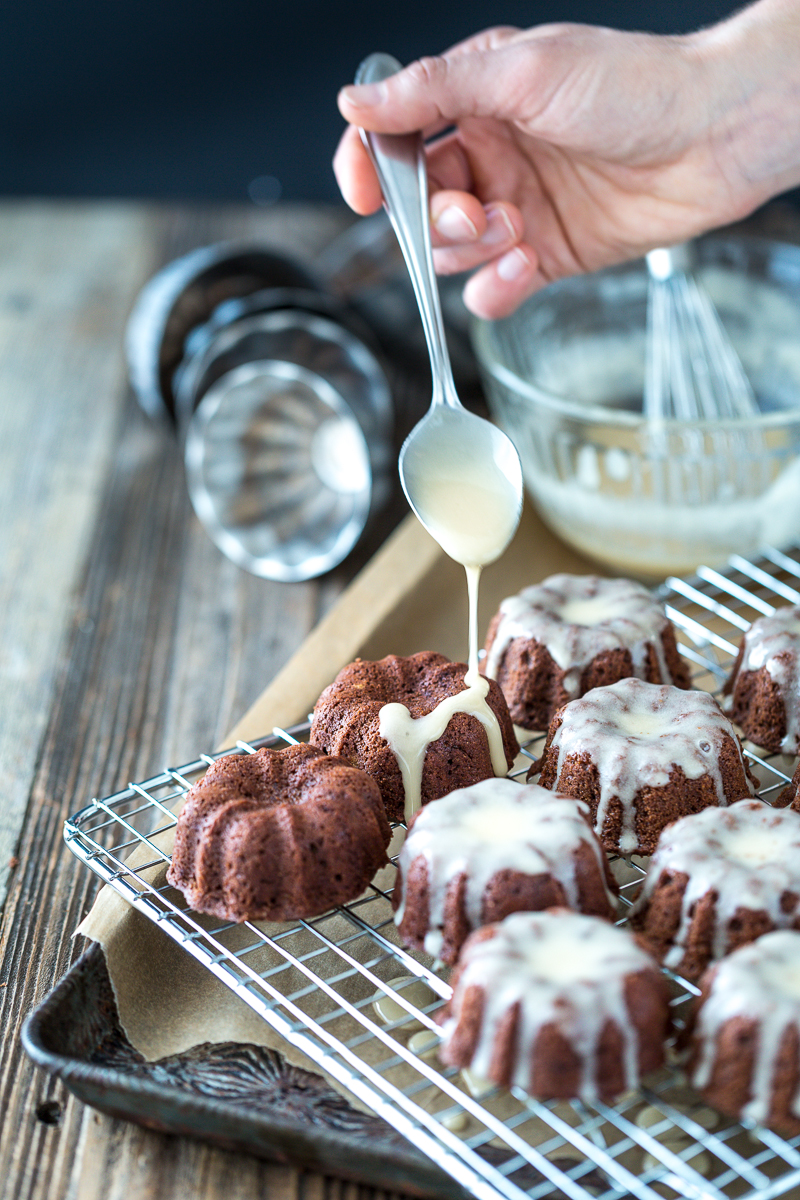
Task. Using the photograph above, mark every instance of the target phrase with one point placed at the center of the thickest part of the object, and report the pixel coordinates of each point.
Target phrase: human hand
(576, 146)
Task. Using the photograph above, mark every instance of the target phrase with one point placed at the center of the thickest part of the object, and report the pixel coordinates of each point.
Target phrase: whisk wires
(692, 372)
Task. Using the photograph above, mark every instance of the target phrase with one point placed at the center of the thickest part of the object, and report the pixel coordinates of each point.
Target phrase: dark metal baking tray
(240, 1097)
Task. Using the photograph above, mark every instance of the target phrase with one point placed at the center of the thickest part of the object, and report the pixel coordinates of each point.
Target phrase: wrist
(751, 69)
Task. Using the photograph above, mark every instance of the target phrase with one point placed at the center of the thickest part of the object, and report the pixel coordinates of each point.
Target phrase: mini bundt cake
(743, 1035)
(495, 848)
(416, 727)
(642, 755)
(765, 682)
(791, 793)
(719, 879)
(558, 1003)
(557, 640)
(278, 835)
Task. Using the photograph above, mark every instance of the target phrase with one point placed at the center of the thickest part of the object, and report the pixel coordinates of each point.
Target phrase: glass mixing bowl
(564, 378)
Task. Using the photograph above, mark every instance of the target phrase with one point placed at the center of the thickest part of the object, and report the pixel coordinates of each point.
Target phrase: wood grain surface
(128, 644)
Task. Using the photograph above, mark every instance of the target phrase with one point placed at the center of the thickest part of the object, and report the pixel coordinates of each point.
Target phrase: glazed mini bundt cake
(642, 755)
(744, 1033)
(431, 745)
(791, 793)
(560, 1004)
(765, 682)
(495, 848)
(557, 640)
(719, 879)
(278, 835)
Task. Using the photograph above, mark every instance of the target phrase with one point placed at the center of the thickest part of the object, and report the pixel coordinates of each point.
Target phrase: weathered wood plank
(135, 646)
(65, 288)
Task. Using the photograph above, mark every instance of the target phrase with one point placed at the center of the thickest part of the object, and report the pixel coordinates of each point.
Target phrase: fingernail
(365, 95)
(512, 265)
(454, 224)
(498, 227)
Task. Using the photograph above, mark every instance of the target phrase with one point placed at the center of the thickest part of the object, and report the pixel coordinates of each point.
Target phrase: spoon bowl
(462, 477)
(461, 474)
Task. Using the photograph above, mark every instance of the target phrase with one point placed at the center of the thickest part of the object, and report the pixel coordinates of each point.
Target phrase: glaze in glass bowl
(564, 375)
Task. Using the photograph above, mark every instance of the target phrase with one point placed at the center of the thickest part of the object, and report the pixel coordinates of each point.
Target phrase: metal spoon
(461, 474)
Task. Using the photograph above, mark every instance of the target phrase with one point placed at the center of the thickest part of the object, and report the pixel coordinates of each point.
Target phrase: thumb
(480, 81)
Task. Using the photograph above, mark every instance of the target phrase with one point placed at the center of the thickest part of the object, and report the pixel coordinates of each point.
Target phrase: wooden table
(128, 643)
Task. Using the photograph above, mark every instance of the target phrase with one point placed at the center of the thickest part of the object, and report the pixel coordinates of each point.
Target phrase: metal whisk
(692, 372)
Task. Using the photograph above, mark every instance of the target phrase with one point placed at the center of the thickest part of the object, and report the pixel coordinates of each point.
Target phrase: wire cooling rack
(343, 991)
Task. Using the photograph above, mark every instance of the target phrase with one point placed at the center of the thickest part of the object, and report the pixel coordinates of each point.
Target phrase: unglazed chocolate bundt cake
(558, 1003)
(559, 639)
(278, 835)
(765, 682)
(495, 848)
(718, 880)
(642, 755)
(744, 1033)
(402, 720)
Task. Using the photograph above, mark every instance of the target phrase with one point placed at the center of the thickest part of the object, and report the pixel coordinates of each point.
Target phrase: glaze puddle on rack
(314, 986)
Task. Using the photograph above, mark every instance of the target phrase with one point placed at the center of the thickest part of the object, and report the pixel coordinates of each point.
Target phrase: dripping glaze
(473, 523)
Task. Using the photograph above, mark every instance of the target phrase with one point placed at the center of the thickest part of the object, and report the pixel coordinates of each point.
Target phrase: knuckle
(430, 70)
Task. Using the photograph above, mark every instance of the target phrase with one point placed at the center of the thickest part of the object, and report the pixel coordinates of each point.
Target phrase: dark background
(224, 99)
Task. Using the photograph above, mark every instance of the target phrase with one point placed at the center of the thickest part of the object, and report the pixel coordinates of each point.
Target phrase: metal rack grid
(324, 984)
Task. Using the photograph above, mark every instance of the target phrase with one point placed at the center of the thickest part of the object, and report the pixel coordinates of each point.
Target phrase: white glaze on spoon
(473, 521)
(470, 507)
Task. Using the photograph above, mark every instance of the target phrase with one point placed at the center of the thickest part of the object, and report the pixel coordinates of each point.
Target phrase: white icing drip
(474, 518)
(578, 617)
(493, 826)
(473, 585)
(409, 737)
(774, 642)
(562, 968)
(747, 854)
(471, 506)
(617, 726)
(759, 981)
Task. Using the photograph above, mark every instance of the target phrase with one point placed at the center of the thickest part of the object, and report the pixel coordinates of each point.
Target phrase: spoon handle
(399, 161)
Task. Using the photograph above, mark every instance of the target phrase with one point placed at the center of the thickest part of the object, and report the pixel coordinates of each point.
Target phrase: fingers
(355, 174)
(448, 170)
(448, 165)
(495, 229)
(435, 91)
(464, 233)
(456, 218)
(501, 286)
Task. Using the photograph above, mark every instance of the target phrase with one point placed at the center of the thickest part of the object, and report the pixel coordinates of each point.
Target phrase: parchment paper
(410, 597)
